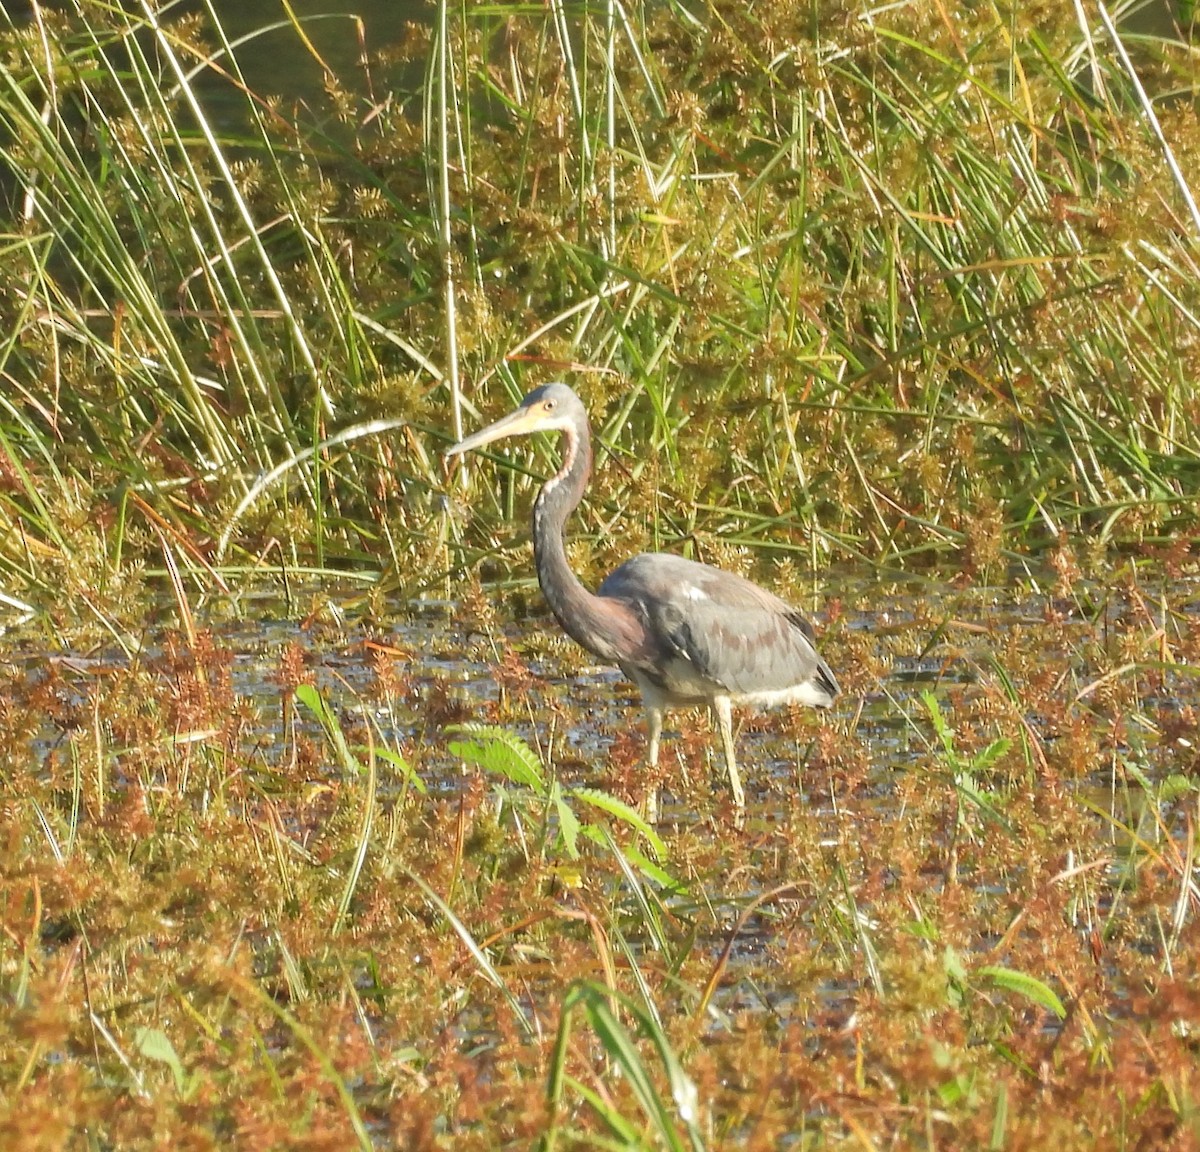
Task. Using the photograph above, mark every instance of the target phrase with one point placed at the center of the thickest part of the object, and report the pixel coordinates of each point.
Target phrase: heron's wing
(729, 631)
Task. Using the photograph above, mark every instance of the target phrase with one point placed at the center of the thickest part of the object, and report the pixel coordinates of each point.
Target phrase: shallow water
(919, 637)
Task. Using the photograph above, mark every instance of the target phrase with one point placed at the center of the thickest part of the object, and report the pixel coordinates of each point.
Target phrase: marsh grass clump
(846, 284)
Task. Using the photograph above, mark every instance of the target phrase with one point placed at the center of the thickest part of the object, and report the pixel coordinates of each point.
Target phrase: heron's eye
(549, 405)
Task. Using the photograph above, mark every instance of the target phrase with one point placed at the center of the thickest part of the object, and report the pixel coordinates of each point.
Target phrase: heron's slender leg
(724, 713)
(654, 723)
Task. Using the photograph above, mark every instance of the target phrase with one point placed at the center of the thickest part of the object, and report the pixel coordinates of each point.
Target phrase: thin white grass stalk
(1189, 892)
(77, 788)
(657, 185)
(29, 206)
(405, 346)
(1089, 42)
(299, 990)
(239, 203)
(564, 40)
(462, 139)
(1147, 107)
(651, 922)
(862, 924)
(1151, 275)
(484, 965)
(101, 776)
(360, 1010)
(636, 48)
(48, 832)
(328, 279)
(229, 49)
(442, 210)
(186, 619)
(27, 611)
(582, 306)
(610, 128)
(134, 1075)
(279, 858)
(371, 428)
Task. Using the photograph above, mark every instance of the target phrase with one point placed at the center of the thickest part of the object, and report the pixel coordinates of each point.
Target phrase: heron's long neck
(580, 612)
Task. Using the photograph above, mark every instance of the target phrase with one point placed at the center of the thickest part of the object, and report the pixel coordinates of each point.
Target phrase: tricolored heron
(685, 633)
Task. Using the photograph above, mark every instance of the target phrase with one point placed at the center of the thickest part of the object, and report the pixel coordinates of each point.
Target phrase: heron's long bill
(518, 423)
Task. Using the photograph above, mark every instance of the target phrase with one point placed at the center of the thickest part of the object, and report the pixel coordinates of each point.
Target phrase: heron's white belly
(805, 693)
(685, 687)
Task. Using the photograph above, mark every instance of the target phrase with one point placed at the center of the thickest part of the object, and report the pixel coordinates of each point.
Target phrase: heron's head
(550, 408)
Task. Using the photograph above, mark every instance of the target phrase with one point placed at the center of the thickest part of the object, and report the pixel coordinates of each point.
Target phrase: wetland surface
(316, 834)
(975, 877)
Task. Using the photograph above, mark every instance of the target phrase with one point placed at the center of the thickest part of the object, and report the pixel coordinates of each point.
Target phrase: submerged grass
(880, 284)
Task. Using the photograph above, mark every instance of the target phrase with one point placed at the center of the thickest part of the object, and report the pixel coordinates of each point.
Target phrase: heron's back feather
(708, 632)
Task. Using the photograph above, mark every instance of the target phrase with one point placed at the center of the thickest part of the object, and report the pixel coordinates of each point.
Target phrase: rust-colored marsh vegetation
(314, 833)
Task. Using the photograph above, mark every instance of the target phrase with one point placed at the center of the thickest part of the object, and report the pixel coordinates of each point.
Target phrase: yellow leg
(654, 723)
(724, 714)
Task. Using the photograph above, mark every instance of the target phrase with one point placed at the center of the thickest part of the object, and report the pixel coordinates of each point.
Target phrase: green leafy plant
(967, 775)
(525, 790)
(673, 1118)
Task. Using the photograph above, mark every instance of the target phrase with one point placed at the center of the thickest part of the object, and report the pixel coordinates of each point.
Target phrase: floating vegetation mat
(337, 884)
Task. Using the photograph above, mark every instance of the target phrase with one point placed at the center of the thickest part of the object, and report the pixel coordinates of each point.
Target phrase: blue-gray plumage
(685, 633)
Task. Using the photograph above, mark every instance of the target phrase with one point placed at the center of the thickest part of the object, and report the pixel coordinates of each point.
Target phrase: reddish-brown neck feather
(601, 626)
